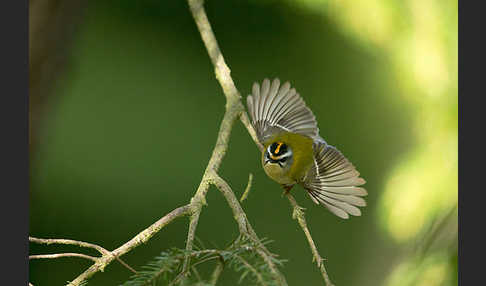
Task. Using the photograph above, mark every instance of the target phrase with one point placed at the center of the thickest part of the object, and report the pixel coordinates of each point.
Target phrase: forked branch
(234, 110)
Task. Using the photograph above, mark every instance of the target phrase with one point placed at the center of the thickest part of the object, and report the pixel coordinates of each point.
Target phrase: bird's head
(279, 154)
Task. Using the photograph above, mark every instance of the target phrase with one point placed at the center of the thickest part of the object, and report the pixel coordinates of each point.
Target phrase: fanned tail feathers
(333, 182)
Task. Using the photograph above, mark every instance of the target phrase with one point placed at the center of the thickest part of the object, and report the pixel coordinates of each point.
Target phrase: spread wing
(333, 182)
(275, 108)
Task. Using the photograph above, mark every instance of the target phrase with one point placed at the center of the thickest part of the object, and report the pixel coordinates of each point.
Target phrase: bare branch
(48, 241)
(221, 69)
(190, 236)
(248, 187)
(146, 234)
(60, 255)
(233, 110)
(298, 214)
(100, 249)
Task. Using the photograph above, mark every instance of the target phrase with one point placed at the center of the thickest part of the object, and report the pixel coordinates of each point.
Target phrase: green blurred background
(125, 111)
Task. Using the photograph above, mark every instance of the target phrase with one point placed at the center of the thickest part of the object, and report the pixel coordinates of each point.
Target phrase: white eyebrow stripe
(268, 149)
(288, 153)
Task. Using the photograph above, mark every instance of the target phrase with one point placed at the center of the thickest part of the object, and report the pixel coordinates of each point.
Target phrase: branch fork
(234, 110)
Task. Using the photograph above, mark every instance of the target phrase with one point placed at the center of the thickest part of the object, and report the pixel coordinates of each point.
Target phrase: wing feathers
(269, 104)
(350, 209)
(335, 210)
(250, 104)
(333, 182)
(273, 106)
(352, 200)
(355, 191)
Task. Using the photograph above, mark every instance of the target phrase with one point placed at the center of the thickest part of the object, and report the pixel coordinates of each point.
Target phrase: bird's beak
(273, 157)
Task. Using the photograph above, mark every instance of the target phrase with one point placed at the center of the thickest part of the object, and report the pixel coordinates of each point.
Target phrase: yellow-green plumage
(302, 156)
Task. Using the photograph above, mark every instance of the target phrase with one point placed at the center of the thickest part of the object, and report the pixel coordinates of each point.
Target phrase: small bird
(295, 153)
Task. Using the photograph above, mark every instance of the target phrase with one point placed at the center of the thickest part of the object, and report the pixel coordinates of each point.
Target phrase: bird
(294, 153)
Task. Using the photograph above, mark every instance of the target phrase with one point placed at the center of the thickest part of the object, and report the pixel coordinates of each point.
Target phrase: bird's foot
(286, 190)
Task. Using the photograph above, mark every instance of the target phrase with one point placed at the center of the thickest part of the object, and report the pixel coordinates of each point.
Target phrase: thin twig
(298, 214)
(126, 265)
(190, 236)
(217, 271)
(233, 110)
(248, 187)
(61, 255)
(100, 249)
(48, 241)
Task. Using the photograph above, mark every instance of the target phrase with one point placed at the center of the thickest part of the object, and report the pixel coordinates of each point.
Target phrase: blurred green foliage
(137, 113)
